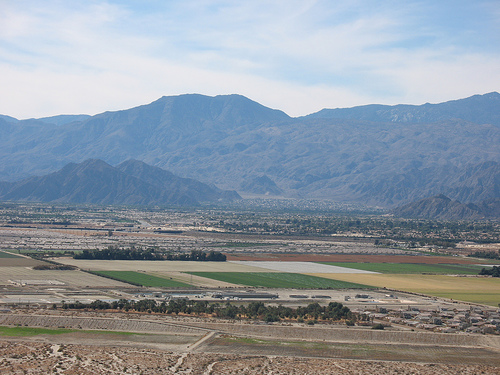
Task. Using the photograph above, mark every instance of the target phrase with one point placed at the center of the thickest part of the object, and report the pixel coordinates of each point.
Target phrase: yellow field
(469, 289)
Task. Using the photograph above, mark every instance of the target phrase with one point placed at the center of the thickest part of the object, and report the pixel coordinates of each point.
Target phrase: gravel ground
(45, 358)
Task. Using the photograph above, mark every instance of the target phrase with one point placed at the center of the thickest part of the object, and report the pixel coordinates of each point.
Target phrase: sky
(299, 56)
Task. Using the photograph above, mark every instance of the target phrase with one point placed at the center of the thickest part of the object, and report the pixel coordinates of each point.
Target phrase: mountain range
(131, 182)
(377, 155)
(443, 208)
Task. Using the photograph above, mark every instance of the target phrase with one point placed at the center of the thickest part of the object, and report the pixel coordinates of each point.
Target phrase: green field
(278, 280)
(143, 279)
(33, 331)
(412, 268)
(4, 254)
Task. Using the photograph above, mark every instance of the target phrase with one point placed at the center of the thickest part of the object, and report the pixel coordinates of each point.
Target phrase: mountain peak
(95, 181)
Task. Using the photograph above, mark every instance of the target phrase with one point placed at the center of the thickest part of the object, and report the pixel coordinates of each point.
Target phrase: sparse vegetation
(35, 331)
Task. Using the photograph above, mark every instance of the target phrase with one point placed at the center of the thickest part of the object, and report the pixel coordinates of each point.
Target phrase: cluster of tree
(333, 312)
(198, 256)
(60, 267)
(138, 253)
(485, 254)
(494, 271)
(118, 253)
(48, 254)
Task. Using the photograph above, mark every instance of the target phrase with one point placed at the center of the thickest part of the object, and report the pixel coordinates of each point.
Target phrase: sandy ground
(54, 358)
(181, 345)
(73, 278)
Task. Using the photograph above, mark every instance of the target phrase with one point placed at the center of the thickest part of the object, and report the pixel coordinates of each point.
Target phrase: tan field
(194, 280)
(484, 290)
(159, 266)
(70, 278)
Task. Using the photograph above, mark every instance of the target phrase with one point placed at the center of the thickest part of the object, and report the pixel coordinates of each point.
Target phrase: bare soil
(181, 345)
(45, 358)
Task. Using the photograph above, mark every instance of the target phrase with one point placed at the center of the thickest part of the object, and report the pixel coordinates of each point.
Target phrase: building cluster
(445, 320)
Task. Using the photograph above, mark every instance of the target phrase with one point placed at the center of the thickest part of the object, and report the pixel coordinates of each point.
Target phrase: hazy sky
(65, 56)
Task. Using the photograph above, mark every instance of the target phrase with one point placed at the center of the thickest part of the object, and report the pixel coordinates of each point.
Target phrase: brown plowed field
(361, 258)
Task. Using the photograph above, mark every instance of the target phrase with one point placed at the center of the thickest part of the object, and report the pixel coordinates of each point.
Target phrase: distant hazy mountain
(480, 109)
(63, 119)
(173, 186)
(8, 118)
(94, 181)
(260, 185)
(230, 141)
(442, 207)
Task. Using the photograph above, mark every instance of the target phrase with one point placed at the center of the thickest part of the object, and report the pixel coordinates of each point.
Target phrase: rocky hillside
(480, 109)
(443, 208)
(385, 156)
(94, 181)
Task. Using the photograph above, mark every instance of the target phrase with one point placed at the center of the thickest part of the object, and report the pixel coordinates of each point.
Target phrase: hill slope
(439, 207)
(94, 181)
(231, 141)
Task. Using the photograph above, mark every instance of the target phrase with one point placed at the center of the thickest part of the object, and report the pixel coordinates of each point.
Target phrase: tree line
(138, 253)
(313, 312)
(485, 254)
(494, 271)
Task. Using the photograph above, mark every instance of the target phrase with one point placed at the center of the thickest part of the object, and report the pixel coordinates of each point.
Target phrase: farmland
(71, 278)
(278, 280)
(472, 289)
(412, 268)
(293, 270)
(157, 266)
(5, 254)
(143, 279)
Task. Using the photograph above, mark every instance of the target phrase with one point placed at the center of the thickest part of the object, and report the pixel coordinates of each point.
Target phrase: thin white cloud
(298, 56)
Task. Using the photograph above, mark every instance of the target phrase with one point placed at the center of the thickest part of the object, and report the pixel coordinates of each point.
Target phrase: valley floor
(168, 345)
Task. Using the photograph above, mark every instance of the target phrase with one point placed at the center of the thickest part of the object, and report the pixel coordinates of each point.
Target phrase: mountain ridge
(443, 208)
(95, 181)
(465, 109)
(230, 140)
